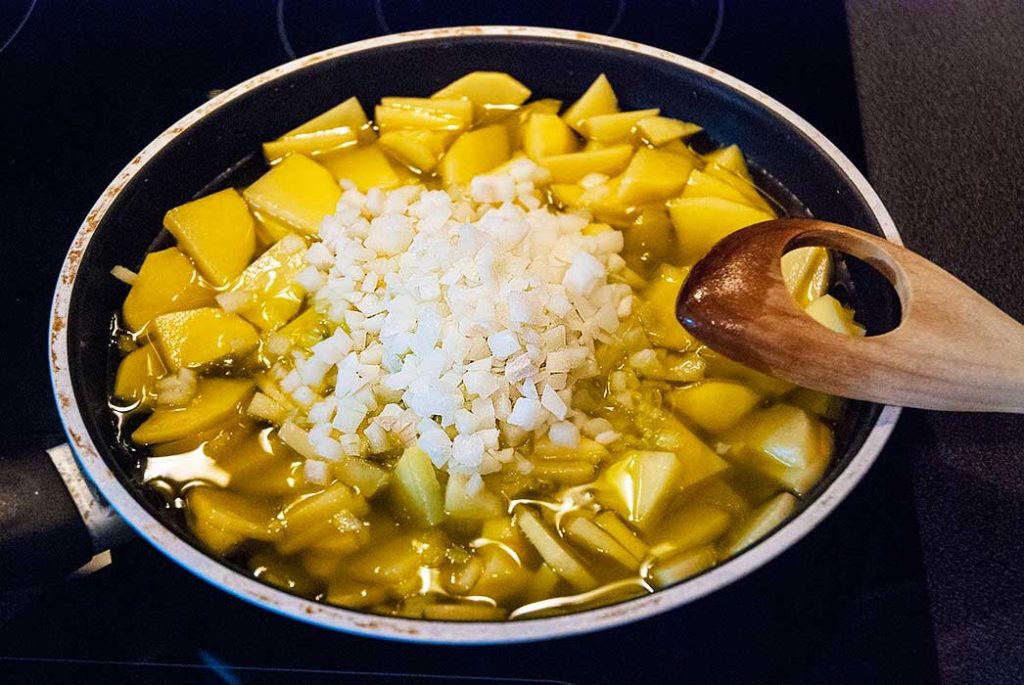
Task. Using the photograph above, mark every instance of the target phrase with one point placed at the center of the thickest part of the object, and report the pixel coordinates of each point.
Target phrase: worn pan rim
(310, 611)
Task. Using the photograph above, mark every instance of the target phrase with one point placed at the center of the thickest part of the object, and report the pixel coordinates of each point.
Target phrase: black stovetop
(86, 85)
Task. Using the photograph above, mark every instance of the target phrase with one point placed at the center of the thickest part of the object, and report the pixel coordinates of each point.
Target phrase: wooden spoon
(954, 350)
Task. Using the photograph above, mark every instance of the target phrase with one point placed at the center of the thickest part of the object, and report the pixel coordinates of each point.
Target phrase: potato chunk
(474, 153)
(598, 99)
(348, 114)
(217, 232)
(554, 551)
(701, 184)
(658, 130)
(137, 375)
(545, 135)
(827, 311)
(315, 143)
(702, 221)
(418, 150)
(639, 485)
(216, 400)
(653, 175)
(167, 282)
(784, 443)
(199, 337)
(416, 488)
(484, 88)
(806, 272)
(367, 167)
(273, 295)
(658, 310)
(298, 192)
(615, 128)
(571, 167)
(714, 405)
(761, 522)
(458, 503)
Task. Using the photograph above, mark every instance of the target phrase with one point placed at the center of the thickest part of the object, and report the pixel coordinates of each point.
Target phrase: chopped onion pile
(462, 323)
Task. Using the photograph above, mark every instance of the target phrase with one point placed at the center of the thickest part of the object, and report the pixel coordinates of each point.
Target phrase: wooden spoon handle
(954, 350)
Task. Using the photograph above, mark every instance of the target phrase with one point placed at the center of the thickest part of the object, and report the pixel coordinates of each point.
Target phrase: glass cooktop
(89, 84)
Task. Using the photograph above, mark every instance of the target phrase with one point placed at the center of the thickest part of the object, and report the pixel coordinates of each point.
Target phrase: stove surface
(89, 84)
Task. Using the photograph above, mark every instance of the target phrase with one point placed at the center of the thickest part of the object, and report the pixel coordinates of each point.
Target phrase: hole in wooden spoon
(840, 291)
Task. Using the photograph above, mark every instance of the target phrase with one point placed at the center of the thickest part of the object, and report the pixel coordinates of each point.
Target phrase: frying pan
(58, 508)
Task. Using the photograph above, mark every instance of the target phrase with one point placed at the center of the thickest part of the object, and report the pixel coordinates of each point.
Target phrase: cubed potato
(545, 135)
(447, 114)
(484, 88)
(387, 562)
(217, 232)
(761, 522)
(273, 295)
(828, 311)
(167, 282)
(692, 525)
(679, 567)
(598, 541)
(199, 337)
(806, 272)
(731, 158)
(367, 167)
(216, 400)
(663, 431)
(554, 552)
(234, 513)
(312, 520)
(571, 167)
(516, 121)
(258, 473)
(305, 330)
(653, 175)
(503, 529)
(739, 183)
(658, 309)
(702, 221)
(543, 585)
(419, 150)
(474, 153)
(640, 484)
(137, 375)
(464, 611)
(348, 114)
(783, 443)
(416, 488)
(826, 406)
(610, 522)
(563, 471)
(649, 239)
(297, 191)
(599, 98)
(615, 128)
(701, 184)
(364, 475)
(459, 504)
(566, 194)
(269, 230)
(313, 144)
(502, 576)
(714, 405)
(657, 130)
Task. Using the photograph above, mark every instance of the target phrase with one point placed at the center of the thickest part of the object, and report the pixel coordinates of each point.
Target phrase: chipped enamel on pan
(310, 611)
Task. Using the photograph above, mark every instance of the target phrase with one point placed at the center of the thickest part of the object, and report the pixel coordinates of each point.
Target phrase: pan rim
(416, 630)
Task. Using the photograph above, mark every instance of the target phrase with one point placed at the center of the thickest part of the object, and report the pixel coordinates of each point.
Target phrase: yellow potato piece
(167, 282)
(367, 167)
(137, 375)
(587, 450)
(454, 107)
(714, 405)
(653, 175)
(423, 113)
(348, 114)
(640, 484)
(827, 311)
(701, 222)
(416, 488)
(545, 135)
(475, 152)
(615, 128)
(298, 192)
(731, 158)
(826, 406)
(784, 443)
(216, 400)
(571, 167)
(314, 143)
(692, 525)
(418, 150)
(744, 186)
(516, 121)
(806, 272)
(305, 329)
(588, 534)
(663, 431)
(199, 337)
(566, 194)
(679, 567)
(217, 232)
(658, 310)
(719, 365)
(485, 88)
(269, 230)
(649, 239)
(761, 522)
(554, 552)
(701, 184)
(660, 130)
(458, 503)
(274, 296)
(233, 513)
(610, 522)
(598, 99)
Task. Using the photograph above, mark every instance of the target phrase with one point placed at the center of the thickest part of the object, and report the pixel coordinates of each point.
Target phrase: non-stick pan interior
(222, 149)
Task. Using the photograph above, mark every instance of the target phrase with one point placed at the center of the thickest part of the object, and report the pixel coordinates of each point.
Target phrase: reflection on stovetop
(89, 84)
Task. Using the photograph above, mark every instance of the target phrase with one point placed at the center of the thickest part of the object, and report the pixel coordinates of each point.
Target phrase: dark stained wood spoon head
(953, 350)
